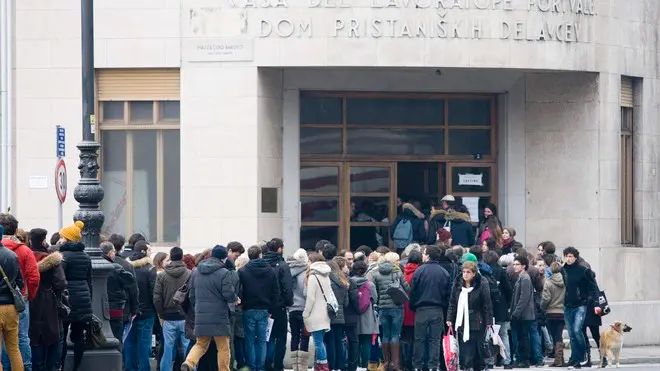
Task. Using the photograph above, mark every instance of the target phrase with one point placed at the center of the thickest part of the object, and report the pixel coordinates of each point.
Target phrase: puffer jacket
(417, 221)
(78, 271)
(552, 298)
(351, 306)
(173, 277)
(315, 314)
(341, 294)
(11, 266)
(368, 321)
(45, 323)
(383, 277)
(212, 290)
(298, 275)
(480, 307)
(460, 226)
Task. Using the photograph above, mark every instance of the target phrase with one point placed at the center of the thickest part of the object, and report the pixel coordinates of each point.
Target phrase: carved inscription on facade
(554, 20)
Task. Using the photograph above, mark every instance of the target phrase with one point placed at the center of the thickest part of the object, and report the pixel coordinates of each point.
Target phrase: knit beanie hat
(468, 257)
(73, 232)
(300, 256)
(219, 252)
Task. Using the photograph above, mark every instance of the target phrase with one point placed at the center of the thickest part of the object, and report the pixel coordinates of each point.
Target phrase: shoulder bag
(19, 300)
(396, 292)
(332, 308)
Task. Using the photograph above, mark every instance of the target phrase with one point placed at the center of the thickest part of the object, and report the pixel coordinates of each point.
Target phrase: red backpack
(364, 297)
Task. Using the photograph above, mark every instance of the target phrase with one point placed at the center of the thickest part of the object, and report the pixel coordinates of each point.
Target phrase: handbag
(396, 292)
(182, 293)
(332, 308)
(19, 300)
(95, 336)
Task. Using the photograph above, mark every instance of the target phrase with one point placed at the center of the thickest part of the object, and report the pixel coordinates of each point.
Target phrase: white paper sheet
(269, 328)
(472, 204)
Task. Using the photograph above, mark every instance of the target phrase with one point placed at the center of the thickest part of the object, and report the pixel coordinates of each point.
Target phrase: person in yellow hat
(78, 271)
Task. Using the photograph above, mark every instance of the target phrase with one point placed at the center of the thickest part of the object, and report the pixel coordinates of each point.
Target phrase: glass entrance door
(371, 206)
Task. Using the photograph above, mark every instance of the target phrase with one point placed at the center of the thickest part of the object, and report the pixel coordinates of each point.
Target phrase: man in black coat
(277, 344)
(122, 292)
(429, 294)
(118, 242)
(137, 347)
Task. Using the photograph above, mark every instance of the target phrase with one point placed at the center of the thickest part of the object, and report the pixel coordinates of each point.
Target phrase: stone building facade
(204, 114)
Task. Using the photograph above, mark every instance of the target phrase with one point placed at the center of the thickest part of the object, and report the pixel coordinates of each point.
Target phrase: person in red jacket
(414, 262)
(30, 275)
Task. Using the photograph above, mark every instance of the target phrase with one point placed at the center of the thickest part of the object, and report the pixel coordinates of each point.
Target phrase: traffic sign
(61, 142)
(60, 180)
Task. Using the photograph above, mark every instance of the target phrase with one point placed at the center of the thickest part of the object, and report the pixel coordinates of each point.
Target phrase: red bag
(450, 350)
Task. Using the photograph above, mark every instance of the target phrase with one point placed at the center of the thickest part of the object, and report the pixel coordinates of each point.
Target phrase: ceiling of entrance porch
(449, 80)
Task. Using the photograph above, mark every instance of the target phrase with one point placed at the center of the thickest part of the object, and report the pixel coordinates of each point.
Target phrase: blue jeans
(537, 344)
(23, 341)
(172, 331)
(574, 318)
(321, 354)
(137, 348)
(255, 324)
(391, 320)
(335, 341)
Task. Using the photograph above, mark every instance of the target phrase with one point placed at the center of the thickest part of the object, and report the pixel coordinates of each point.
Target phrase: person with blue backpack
(409, 226)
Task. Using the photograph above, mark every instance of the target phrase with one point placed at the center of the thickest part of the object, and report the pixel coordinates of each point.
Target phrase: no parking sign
(60, 180)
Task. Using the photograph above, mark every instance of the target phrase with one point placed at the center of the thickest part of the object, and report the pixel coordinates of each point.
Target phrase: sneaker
(508, 367)
(521, 365)
(185, 367)
(574, 366)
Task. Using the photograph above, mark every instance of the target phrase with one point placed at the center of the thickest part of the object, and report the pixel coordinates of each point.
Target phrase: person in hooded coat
(45, 318)
(212, 292)
(315, 315)
(391, 314)
(78, 272)
(298, 264)
(458, 221)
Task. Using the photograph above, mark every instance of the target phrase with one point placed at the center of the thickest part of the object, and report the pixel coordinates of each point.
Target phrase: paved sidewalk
(629, 355)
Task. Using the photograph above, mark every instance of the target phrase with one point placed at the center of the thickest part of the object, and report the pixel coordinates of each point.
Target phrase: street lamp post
(89, 194)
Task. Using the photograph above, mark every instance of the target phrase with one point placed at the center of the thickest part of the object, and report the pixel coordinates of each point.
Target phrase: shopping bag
(450, 350)
(269, 328)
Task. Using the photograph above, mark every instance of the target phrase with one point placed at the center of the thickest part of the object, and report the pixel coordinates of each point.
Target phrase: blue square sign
(61, 142)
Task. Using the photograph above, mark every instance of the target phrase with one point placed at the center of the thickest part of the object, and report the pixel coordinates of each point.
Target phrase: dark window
(319, 179)
(319, 209)
(385, 111)
(395, 142)
(469, 112)
(469, 142)
(370, 179)
(320, 141)
(320, 110)
(310, 235)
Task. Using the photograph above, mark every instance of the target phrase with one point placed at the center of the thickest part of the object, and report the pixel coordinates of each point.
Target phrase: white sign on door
(471, 180)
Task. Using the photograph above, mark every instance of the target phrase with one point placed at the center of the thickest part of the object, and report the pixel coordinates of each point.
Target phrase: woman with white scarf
(471, 310)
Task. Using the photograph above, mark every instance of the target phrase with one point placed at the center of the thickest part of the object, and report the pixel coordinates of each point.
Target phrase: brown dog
(611, 341)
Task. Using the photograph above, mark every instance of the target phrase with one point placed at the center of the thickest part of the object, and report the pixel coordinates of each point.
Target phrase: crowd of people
(229, 307)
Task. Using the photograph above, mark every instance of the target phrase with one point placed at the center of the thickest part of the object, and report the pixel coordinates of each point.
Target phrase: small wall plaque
(269, 200)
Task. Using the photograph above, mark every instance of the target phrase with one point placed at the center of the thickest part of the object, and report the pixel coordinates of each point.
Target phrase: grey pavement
(630, 355)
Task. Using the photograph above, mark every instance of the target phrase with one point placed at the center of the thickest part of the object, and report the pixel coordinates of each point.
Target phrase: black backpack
(495, 293)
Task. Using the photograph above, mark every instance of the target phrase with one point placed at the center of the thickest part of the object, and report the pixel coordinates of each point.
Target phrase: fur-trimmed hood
(409, 208)
(451, 215)
(140, 262)
(46, 262)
